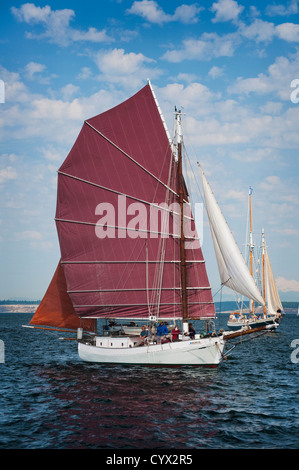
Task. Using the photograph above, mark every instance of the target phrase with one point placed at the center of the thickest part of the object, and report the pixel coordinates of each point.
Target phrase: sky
(231, 66)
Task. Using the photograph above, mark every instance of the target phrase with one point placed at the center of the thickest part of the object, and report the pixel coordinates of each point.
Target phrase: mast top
(178, 128)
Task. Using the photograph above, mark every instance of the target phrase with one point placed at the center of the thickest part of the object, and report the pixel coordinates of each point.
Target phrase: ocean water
(50, 399)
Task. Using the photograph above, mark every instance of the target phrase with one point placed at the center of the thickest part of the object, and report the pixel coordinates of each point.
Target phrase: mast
(250, 240)
(182, 236)
(264, 283)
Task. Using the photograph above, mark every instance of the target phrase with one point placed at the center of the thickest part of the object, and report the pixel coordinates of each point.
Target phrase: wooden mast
(264, 283)
(250, 241)
(182, 237)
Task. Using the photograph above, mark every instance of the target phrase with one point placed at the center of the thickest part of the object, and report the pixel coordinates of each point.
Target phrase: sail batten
(232, 268)
(133, 229)
(130, 261)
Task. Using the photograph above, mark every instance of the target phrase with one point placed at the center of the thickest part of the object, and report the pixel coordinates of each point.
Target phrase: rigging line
(187, 161)
(158, 278)
(120, 282)
(146, 279)
(191, 167)
(129, 157)
(252, 338)
(158, 274)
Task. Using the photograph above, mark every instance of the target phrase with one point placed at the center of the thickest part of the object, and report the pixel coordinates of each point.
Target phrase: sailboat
(233, 270)
(128, 242)
(273, 309)
(270, 315)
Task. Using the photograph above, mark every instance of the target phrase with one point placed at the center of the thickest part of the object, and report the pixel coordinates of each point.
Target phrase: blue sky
(231, 65)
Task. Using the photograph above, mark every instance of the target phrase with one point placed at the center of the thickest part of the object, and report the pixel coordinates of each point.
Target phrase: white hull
(197, 352)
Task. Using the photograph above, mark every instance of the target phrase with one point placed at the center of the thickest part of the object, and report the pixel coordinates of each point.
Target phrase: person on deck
(191, 331)
(143, 337)
(162, 331)
(175, 333)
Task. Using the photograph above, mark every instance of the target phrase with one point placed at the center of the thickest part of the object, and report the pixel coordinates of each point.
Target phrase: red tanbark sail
(56, 308)
(119, 170)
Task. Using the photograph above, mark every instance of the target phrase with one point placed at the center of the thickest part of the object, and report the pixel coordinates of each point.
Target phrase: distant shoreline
(31, 307)
(18, 308)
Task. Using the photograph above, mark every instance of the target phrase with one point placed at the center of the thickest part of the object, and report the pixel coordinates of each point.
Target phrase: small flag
(250, 190)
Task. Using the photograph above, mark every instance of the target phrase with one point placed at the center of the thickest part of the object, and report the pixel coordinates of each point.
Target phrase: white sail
(273, 300)
(233, 270)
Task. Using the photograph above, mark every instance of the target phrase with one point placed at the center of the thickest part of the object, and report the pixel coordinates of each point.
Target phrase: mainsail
(116, 219)
(272, 296)
(233, 270)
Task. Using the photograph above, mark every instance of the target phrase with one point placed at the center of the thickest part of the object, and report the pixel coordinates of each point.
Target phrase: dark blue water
(49, 399)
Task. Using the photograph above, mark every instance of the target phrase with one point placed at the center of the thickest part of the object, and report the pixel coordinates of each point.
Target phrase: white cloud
(56, 24)
(194, 97)
(254, 154)
(212, 45)
(54, 154)
(28, 115)
(92, 35)
(283, 10)
(186, 77)
(118, 62)
(288, 31)
(129, 69)
(35, 71)
(7, 173)
(209, 46)
(152, 12)
(258, 30)
(286, 285)
(34, 239)
(15, 90)
(270, 183)
(226, 10)
(187, 13)
(33, 68)
(264, 31)
(29, 235)
(271, 107)
(276, 81)
(84, 74)
(216, 72)
(238, 195)
(68, 91)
